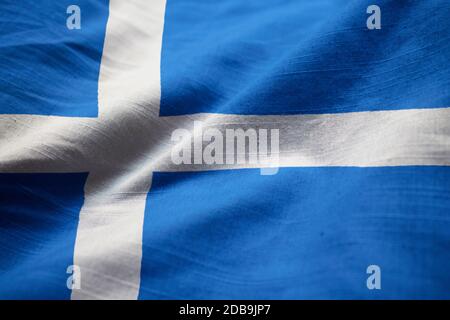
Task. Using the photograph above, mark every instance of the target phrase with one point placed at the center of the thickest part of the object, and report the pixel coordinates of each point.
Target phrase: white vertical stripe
(108, 246)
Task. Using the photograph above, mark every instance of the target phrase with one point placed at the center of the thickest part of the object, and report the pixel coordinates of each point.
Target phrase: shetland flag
(93, 92)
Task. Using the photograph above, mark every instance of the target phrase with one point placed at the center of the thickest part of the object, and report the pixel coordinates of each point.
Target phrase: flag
(196, 149)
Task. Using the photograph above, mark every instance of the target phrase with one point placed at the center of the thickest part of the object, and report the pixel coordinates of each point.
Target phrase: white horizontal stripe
(134, 139)
(363, 139)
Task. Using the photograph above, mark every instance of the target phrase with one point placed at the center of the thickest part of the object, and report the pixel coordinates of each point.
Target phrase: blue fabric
(38, 222)
(303, 233)
(45, 68)
(303, 57)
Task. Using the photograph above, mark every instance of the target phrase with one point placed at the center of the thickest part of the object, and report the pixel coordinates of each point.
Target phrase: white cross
(128, 141)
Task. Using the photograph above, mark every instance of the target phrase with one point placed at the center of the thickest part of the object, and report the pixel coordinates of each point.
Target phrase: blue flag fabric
(46, 69)
(38, 223)
(304, 233)
(303, 57)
